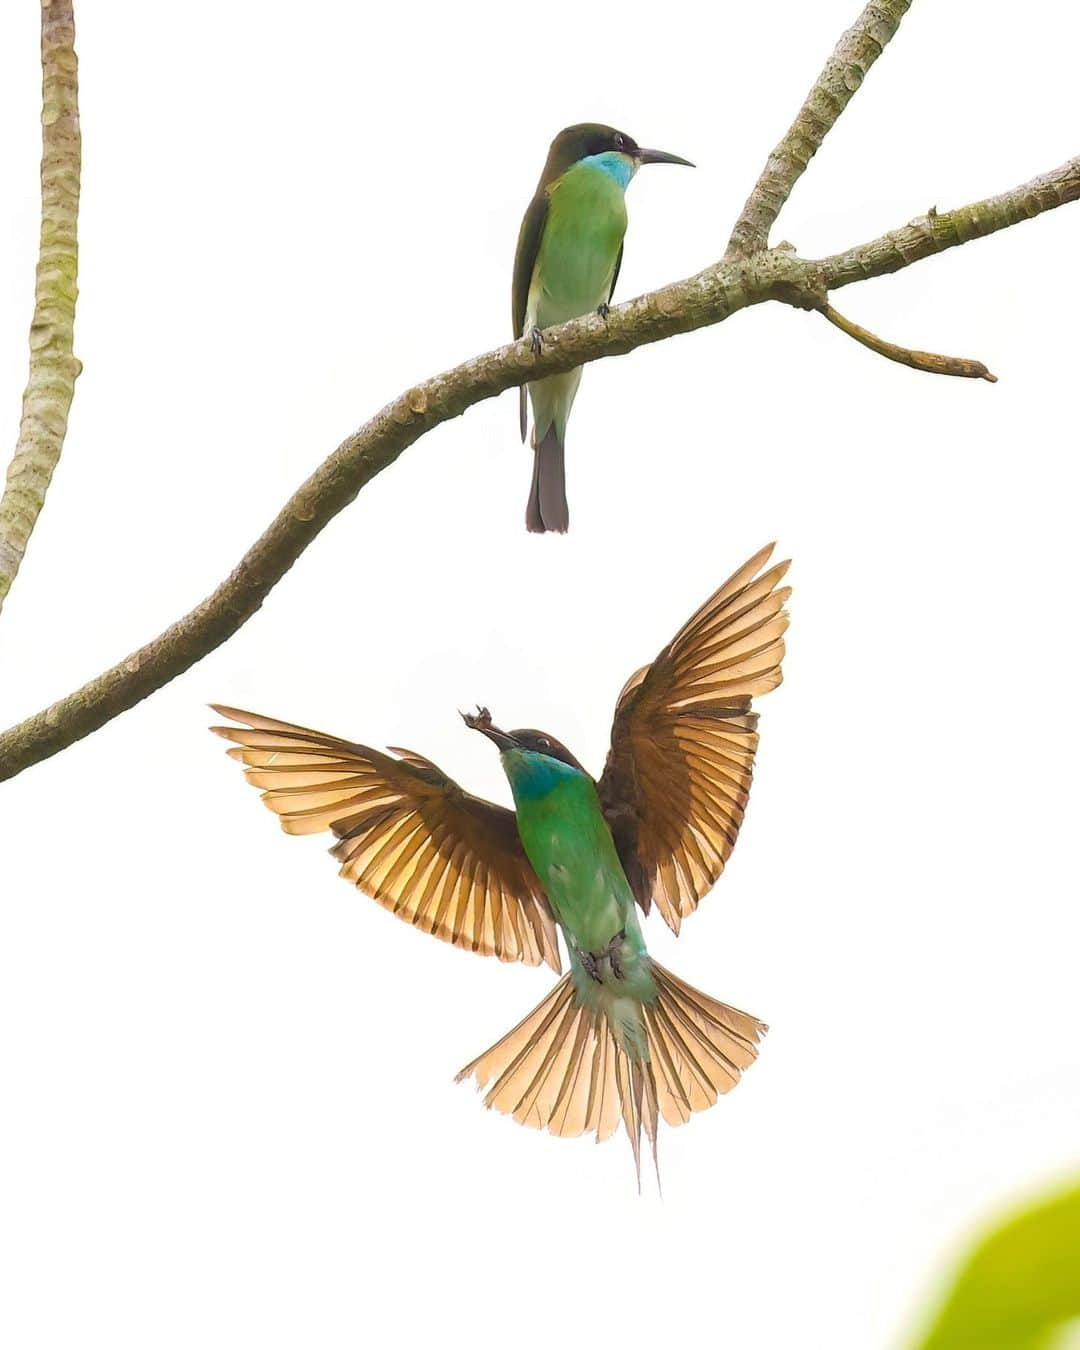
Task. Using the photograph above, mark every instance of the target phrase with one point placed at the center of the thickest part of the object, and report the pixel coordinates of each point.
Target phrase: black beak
(481, 721)
(662, 157)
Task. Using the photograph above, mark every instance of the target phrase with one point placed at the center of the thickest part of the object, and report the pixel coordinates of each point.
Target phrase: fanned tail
(570, 1068)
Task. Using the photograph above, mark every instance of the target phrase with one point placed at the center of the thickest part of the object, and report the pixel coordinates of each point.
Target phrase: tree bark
(842, 75)
(53, 365)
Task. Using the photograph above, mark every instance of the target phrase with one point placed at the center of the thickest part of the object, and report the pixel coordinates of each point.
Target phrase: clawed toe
(592, 961)
(592, 966)
(612, 952)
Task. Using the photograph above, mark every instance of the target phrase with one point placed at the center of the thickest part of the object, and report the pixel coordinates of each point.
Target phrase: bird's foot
(612, 950)
(592, 965)
(536, 341)
(592, 961)
(604, 309)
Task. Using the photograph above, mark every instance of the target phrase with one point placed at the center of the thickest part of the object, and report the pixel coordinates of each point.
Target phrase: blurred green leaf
(1020, 1287)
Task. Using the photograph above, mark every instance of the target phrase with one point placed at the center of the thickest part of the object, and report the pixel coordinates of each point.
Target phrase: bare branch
(53, 367)
(937, 231)
(909, 356)
(844, 72)
(707, 298)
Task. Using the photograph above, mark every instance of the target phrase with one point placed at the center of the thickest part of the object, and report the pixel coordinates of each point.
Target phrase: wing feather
(447, 862)
(677, 777)
(528, 246)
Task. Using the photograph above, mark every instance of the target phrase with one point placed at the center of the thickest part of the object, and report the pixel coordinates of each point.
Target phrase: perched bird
(619, 1037)
(569, 252)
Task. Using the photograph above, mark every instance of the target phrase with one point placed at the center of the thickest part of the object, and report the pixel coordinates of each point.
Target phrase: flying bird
(619, 1037)
(569, 252)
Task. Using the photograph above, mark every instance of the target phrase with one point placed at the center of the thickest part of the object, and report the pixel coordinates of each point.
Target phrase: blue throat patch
(533, 775)
(615, 164)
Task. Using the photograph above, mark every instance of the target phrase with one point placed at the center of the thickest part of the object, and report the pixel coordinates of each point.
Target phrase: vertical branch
(844, 72)
(53, 366)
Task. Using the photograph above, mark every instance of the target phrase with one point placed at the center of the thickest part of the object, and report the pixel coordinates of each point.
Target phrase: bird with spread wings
(619, 1037)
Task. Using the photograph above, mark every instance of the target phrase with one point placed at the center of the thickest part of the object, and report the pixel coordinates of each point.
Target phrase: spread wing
(408, 836)
(677, 776)
(528, 246)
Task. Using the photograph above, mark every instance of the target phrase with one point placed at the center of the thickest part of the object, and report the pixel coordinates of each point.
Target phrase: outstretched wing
(408, 836)
(677, 776)
(528, 246)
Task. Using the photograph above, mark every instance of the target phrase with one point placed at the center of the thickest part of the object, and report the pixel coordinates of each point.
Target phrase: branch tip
(962, 366)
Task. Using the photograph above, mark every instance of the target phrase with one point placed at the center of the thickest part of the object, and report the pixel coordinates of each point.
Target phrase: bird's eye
(542, 743)
(620, 141)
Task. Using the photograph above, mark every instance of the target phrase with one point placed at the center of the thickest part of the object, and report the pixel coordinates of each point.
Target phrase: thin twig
(842, 75)
(909, 356)
(53, 366)
(708, 298)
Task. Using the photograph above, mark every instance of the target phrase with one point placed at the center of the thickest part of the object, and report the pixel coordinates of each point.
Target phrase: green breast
(580, 246)
(568, 842)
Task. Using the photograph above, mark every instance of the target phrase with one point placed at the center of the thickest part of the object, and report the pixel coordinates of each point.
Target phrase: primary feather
(439, 858)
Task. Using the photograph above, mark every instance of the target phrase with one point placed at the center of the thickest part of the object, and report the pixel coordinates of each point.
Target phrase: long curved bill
(662, 157)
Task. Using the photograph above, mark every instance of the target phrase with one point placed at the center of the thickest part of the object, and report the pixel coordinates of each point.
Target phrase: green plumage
(574, 274)
(568, 257)
(579, 251)
(569, 843)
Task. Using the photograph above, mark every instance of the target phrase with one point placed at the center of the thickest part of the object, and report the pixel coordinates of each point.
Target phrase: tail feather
(548, 508)
(701, 1046)
(603, 1110)
(570, 1069)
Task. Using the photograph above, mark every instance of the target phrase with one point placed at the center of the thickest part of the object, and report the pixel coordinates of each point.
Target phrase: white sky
(228, 1113)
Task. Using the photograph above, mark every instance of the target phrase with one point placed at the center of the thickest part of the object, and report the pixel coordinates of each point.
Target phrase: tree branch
(53, 367)
(909, 356)
(707, 298)
(937, 231)
(844, 72)
(752, 276)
